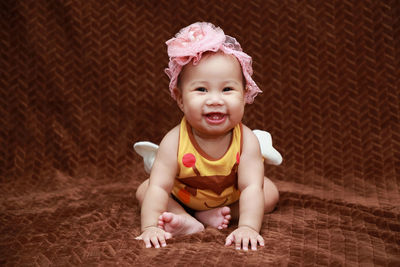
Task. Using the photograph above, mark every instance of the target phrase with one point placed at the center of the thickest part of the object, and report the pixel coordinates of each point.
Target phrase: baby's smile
(215, 117)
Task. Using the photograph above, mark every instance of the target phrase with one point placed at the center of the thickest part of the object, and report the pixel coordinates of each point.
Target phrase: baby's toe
(225, 211)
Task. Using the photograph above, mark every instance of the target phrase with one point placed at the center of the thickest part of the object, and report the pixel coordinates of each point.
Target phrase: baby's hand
(242, 236)
(154, 235)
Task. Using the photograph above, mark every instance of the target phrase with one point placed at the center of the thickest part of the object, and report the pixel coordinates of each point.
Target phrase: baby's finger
(167, 235)
(238, 242)
(260, 240)
(147, 242)
(161, 238)
(154, 241)
(245, 243)
(229, 240)
(253, 242)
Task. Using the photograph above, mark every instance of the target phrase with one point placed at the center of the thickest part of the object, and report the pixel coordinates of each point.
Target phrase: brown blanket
(81, 81)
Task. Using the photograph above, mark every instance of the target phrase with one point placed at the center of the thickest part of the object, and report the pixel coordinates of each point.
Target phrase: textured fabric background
(81, 81)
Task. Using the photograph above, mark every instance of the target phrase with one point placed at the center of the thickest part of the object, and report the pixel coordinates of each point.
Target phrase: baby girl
(209, 169)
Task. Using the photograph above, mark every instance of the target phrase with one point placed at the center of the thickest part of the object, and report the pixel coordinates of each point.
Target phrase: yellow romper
(204, 183)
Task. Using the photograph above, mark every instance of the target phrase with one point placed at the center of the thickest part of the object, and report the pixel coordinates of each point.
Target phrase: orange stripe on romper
(184, 195)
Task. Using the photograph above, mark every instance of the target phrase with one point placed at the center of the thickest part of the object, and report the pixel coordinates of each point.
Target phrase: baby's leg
(176, 220)
(218, 218)
(271, 195)
(141, 191)
(271, 198)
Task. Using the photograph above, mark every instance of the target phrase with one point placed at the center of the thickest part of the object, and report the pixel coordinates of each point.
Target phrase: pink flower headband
(191, 42)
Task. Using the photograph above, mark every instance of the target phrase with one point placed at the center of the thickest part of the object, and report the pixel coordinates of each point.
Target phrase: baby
(209, 169)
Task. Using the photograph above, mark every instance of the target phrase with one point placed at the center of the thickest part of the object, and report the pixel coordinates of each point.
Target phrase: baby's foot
(179, 224)
(218, 218)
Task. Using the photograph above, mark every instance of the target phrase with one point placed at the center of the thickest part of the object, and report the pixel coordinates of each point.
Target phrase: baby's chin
(212, 130)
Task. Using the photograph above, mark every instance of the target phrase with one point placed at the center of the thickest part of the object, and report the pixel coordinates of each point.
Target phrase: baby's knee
(273, 201)
(271, 196)
(141, 191)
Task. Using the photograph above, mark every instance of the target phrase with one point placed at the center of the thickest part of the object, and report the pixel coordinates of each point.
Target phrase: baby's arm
(160, 185)
(251, 203)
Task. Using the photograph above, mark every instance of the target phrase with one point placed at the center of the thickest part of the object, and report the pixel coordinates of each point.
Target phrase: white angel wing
(148, 151)
(270, 154)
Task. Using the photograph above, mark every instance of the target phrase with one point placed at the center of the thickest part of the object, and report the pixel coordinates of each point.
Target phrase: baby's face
(211, 94)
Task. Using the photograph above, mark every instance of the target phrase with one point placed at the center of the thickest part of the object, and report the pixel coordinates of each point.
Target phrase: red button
(189, 160)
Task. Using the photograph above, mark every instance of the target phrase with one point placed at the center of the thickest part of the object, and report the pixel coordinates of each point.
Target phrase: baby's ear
(178, 97)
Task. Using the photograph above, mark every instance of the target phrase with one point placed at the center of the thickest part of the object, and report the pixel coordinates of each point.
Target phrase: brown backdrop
(81, 81)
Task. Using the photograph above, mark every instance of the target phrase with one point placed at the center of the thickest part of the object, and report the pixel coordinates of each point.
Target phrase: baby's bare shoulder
(171, 139)
(250, 140)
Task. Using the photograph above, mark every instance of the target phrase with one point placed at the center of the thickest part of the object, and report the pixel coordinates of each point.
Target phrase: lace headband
(192, 41)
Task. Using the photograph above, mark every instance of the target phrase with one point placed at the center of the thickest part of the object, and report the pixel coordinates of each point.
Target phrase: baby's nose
(214, 99)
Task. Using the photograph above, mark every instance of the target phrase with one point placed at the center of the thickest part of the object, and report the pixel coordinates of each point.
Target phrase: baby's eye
(201, 89)
(227, 89)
